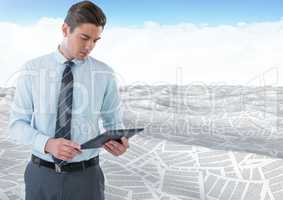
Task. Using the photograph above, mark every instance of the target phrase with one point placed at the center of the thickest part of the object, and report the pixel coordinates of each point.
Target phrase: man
(59, 100)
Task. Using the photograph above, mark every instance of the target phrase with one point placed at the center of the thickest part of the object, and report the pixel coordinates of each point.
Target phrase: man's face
(82, 40)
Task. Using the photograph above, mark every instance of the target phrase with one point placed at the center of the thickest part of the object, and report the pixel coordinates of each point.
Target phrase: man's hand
(62, 149)
(116, 148)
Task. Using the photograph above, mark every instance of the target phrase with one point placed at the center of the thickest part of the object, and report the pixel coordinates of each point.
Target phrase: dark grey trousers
(45, 184)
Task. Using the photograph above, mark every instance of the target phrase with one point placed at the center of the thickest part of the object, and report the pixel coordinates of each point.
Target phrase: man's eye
(84, 39)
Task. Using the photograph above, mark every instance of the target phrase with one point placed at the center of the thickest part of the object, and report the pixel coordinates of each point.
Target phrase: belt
(69, 167)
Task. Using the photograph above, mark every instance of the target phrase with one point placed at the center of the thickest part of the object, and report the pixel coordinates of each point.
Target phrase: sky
(210, 42)
(128, 12)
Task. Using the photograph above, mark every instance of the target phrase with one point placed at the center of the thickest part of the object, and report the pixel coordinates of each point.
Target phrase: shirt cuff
(40, 142)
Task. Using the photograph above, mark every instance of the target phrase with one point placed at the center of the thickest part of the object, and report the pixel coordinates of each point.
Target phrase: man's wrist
(40, 142)
(46, 147)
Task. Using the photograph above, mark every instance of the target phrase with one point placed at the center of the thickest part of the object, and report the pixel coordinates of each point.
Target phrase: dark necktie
(64, 110)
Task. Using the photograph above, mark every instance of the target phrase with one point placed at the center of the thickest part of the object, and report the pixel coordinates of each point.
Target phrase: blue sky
(139, 54)
(128, 12)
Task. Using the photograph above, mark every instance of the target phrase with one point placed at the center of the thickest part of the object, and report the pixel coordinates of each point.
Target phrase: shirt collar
(61, 58)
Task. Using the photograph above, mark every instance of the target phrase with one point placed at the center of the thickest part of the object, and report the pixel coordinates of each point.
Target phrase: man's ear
(65, 29)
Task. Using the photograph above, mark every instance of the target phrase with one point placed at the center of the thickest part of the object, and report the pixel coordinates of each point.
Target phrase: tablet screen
(98, 141)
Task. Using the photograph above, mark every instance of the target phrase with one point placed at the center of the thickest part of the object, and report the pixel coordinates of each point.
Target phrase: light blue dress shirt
(34, 109)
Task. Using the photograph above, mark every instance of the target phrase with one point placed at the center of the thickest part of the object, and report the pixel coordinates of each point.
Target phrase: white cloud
(153, 53)
(22, 43)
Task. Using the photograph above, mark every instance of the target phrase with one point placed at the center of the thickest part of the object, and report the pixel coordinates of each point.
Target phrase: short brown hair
(85, 12)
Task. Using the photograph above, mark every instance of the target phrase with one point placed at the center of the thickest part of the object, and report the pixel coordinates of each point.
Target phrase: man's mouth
(84, 53)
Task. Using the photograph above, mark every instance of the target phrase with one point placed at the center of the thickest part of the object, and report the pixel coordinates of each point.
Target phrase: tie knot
(69, 63)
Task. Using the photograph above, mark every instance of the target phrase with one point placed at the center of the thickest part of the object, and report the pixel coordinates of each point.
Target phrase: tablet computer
(116, 135)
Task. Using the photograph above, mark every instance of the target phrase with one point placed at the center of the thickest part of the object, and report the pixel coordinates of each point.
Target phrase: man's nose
(89, 45)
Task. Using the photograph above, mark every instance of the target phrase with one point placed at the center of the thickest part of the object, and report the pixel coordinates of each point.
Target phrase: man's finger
(117, 145)
(114, 149)
(70, 150)
(125, 142)
(109, 150)
(109, 146)
(72, 144)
